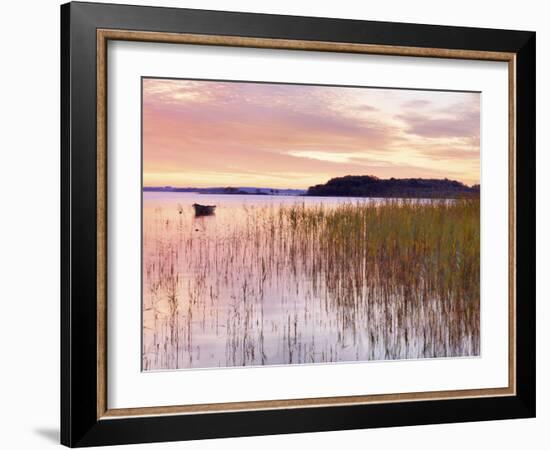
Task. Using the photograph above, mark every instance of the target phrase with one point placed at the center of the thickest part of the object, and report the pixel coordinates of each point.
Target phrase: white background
(129, 387)
(29, 162)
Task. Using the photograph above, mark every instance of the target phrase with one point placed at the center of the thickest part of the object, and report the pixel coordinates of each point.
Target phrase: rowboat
(204, 210)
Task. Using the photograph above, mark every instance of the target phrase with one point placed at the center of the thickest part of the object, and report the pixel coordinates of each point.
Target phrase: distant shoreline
(366, 186)
(227, 190)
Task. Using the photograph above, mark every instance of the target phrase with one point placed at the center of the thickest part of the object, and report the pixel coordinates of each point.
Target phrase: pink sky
(209, 133)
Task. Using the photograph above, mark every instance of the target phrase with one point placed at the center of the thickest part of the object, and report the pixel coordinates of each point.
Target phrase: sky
(217, 134)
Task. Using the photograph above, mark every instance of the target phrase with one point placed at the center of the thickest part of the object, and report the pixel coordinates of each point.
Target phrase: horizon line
(225, 186)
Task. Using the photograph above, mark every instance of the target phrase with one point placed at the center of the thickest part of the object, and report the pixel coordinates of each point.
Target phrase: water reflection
(294, 280)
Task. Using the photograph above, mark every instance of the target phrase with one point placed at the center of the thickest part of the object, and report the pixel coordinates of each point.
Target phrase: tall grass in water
(312, 283)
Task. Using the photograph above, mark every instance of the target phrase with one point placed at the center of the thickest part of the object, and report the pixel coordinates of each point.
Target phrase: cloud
(368, 108)
(241, 131)
(416, 103)
(444, 124)
(267, 112)
(336, 157)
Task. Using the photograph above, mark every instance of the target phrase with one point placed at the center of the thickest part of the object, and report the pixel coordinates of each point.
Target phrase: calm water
(241, 287)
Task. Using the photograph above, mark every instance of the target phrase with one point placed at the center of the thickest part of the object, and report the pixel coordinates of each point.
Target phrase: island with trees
(372, 186)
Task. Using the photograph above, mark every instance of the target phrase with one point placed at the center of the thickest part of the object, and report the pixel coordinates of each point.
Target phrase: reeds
(307, 283)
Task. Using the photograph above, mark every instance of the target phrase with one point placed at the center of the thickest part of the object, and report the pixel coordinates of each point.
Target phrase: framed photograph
(277, 224)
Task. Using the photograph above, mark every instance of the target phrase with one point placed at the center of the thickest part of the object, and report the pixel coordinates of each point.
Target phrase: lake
(300, 280)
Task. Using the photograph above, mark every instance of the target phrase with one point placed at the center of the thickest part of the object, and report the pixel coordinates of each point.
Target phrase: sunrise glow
(215, 134)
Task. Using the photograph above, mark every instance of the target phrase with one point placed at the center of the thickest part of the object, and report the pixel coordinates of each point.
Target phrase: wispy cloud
(419, 103)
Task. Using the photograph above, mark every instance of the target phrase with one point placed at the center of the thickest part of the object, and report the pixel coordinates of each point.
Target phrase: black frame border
(79, 423)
